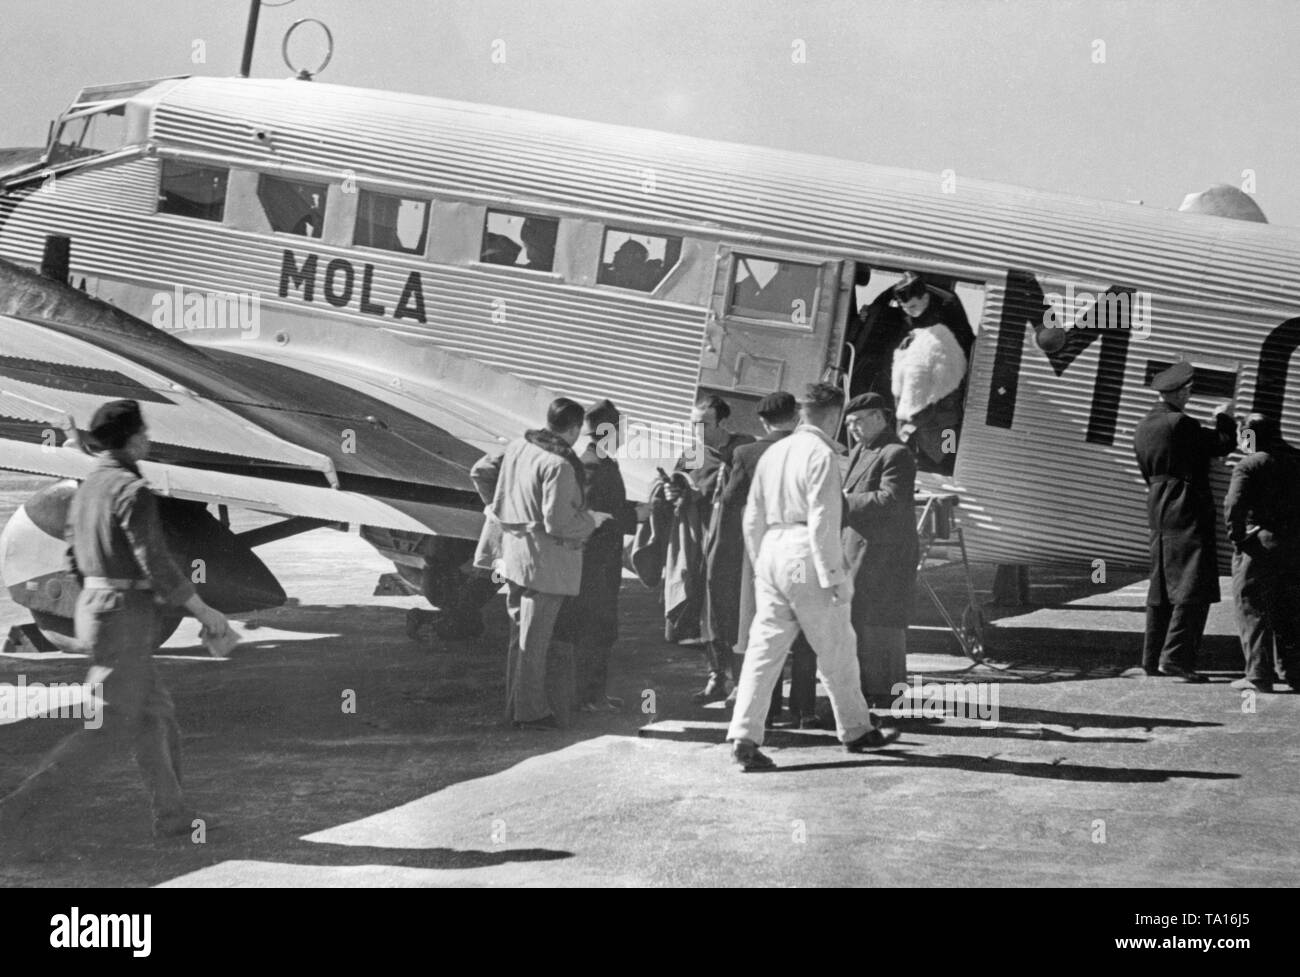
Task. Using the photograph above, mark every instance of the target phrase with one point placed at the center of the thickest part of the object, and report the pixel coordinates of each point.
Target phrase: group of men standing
(787, 553)
(777, 550)
(553, 533)
(1262, 511)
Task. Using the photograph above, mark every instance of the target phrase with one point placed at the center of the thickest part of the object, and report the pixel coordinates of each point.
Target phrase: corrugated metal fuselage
(1044, 466)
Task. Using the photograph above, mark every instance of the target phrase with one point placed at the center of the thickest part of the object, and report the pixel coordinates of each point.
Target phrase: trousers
(803, 681)
(1266, 599)
(882, 659)
(539, 670)
(788, 598)
(1173, 635)
(120, 631)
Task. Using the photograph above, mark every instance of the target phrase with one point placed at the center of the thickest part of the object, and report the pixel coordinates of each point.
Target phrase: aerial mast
(250, 35)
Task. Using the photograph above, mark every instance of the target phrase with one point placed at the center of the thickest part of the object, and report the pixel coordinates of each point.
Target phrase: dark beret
(871, 401)
(114, 423)
(779, 404)
(1178, 375)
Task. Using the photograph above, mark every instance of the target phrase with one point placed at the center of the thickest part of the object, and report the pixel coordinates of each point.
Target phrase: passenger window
(763, 288)
(519, 239)
(391, 223)
(292, 207)
(192, 191)
(639, 261)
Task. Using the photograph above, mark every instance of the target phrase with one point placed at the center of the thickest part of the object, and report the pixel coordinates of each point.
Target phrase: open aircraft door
(776, 322)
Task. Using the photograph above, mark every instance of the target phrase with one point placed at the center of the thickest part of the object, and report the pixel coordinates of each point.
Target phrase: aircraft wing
(274, 436)
(260, 494)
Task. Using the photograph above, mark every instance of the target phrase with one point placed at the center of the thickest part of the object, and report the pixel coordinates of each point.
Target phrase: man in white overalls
(801, 582)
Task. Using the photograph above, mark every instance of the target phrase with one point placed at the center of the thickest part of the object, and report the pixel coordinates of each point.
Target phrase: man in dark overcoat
(880, 543)
(590, 620)
(1174, 453)
(1263, 513)
(731, 579)
(691, 492)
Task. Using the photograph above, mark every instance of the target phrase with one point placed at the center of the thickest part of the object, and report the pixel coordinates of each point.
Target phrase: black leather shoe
(1255, 685)
(545, 723)
(873, 739)
(750, 758)
(715, 689)
(1187, 675)
(1137, 671)
(183, 826)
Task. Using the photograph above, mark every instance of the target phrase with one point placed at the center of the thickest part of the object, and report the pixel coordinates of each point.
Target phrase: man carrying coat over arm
(1174, 453)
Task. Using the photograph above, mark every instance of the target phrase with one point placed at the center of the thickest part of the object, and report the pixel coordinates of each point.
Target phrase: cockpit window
(639, 261)
(89, 135)
(192, 191)
(292, 207)
(524, 240)
(391, 223)
(765, 288)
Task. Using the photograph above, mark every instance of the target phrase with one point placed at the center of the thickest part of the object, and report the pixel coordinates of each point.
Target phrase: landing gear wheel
(974, 633)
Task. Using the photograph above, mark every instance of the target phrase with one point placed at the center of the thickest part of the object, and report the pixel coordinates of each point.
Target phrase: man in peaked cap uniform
(118, 549)
(1174, 453)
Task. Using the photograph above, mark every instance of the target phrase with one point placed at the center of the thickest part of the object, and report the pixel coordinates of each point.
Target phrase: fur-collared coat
(537, 521)
(927, 367)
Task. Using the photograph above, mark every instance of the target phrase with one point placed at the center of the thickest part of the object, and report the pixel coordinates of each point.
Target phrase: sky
(1142, 100)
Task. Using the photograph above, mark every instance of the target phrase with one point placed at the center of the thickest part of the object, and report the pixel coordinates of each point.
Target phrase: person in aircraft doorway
(928, 371)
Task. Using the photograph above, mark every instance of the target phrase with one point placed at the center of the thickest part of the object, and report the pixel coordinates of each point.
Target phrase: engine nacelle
(33, 562)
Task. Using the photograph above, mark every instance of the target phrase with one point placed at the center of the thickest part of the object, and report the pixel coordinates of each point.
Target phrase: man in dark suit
(880, 543)
(590, 619)
(1263, 513)
(1174, 453)
(731, 598)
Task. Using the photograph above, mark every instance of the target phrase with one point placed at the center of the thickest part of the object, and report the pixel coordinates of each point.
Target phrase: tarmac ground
(1047, 769)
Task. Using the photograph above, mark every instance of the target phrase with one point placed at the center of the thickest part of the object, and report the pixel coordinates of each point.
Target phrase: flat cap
(869, 401)
(114, 423)
(1178, 375)
(779, 404)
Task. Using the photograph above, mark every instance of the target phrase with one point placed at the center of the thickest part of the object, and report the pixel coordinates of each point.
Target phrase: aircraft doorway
(910, 337)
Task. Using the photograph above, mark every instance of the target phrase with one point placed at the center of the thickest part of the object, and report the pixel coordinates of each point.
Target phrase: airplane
(331, 301)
